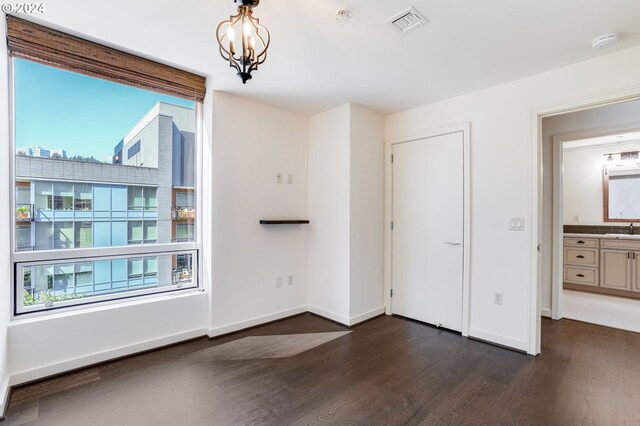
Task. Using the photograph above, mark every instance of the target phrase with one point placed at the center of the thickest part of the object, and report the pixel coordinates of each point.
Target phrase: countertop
(609, 236)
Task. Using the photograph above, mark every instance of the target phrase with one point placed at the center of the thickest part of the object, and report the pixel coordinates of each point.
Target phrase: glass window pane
(150, 232)
(150, 265)
(23, 193)
(84, 234)
(43, 194)
(135, 233)
(119, 198)
(136, 199)
(136, 267)
(63, 235)
(44, 236)
(150, 198)
(83, 196)
(62, 196)
(96, 179)
(23, 237)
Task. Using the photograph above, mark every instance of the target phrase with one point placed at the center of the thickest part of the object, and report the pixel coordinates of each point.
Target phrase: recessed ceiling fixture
(605, 40)
(407, 20)
(251, 49)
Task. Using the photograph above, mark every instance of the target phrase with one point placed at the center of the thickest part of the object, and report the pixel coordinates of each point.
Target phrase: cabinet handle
(580, 256)
(580, 275)
(628, 255)
(580, 242)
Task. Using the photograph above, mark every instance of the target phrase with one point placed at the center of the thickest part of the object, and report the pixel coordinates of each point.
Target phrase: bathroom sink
(623, 236)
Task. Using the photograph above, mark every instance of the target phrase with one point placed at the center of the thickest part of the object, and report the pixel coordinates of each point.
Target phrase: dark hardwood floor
(388, 371)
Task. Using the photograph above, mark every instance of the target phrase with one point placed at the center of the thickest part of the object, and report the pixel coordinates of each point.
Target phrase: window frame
(32, 257)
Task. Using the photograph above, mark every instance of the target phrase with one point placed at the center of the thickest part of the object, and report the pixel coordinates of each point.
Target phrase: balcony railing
(24, 212)
(183, 213)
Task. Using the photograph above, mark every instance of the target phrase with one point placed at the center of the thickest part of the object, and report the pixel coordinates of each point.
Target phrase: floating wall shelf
(283, 222)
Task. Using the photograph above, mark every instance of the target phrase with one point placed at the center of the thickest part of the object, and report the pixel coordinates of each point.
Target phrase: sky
(86, 116)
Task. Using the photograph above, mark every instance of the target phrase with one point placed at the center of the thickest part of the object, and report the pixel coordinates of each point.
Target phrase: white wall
(329, 207)
(252, 142)
(622, 114)
(5, 220)
(582, 194)
(501, 164)
(346, 200)
(366, 212)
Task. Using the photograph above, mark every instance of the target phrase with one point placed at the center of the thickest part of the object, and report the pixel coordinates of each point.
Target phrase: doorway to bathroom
(590, 252)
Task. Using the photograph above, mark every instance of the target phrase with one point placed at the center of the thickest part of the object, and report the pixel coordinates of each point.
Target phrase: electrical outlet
(576, 218)
(278, 281)
(497, 298)
(290, 280)
(279, 178)
(290, 179)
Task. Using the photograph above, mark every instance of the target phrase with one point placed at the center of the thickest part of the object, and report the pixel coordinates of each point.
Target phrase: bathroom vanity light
(243, 41)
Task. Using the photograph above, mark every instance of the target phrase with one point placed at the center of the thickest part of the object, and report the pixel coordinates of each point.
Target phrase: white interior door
(428, 230)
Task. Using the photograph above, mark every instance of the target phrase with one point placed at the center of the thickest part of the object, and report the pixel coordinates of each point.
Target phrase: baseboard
(237, 326)
(5, 392)
(366, 316)
(85, 361)
(545, 312)
(519, 345)
(329, 315)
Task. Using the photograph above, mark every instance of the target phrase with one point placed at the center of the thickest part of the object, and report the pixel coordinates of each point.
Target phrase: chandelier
(250, 49)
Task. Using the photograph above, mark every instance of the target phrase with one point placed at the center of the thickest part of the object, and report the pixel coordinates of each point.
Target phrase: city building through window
(77, 198)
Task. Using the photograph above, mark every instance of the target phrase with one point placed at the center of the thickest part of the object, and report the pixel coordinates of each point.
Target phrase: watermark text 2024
(27, 8)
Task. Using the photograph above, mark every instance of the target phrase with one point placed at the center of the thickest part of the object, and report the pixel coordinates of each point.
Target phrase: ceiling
(314, 64)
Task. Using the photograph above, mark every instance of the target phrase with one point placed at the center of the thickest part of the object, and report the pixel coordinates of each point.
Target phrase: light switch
(516, 224)
(289, 179)
(279, 178)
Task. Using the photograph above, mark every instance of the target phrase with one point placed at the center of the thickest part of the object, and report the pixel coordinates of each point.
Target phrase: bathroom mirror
(621, 187)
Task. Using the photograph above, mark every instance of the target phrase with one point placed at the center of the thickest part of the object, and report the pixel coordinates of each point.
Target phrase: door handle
(453, 243)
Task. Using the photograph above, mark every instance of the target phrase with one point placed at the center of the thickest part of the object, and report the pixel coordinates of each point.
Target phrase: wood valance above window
(51, 47)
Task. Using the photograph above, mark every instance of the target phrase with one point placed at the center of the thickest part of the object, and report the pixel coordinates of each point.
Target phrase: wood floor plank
(388, 371)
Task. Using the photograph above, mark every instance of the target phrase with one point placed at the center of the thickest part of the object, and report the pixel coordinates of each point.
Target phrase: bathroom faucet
(631, 229)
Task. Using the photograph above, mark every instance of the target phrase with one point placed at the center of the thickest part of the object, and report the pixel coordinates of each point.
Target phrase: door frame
(465, 129)
(537, 114)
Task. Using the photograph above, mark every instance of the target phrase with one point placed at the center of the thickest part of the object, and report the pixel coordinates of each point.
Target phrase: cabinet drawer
(582, 242)
(621, 244)
(577, 275)
(580, 256)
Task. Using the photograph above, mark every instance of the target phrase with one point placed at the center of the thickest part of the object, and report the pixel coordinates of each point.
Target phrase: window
(75, 204)
(62, 196)
(83, 199)
(184, 232)
(135, 198)
(135, 148)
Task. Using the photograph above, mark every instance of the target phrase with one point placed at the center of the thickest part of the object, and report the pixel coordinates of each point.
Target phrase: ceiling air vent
(407, 20)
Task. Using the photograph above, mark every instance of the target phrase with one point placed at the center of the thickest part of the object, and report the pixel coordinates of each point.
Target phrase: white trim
(465, 128)
(329, 315)
(357, 319)
(546, 313)
(537, 113)
(557, 230)
(486, 336)
(84, 361)
(4, 397)
(253, 322)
